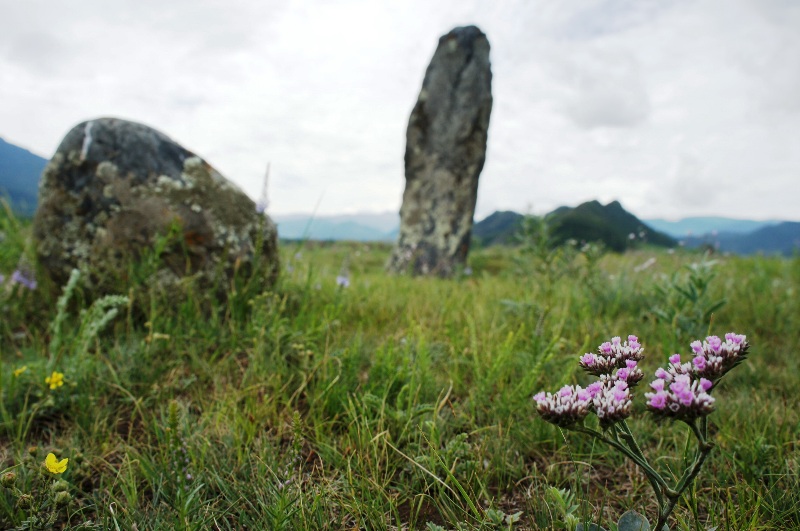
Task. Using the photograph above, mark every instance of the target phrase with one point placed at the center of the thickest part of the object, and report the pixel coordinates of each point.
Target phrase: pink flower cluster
(564, 408)
(616, 364)
(682, 390)
(610, 400)
(680, 397)
(631, 374)
(714, 357)
(615, 354)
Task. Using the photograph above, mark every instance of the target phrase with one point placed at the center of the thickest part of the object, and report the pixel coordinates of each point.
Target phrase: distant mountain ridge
(499, 227)
(697, 226)
(20, 171)
(783, 238)
(611, 224)
(357, 227)
(589, 221)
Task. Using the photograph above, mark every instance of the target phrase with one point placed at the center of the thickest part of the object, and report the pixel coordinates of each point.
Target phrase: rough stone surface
(114, 189)
(445, 152)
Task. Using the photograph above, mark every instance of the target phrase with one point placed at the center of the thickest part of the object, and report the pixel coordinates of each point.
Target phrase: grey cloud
(37, 52)
(688, 182)
(607, 17)
(290, 181)
(777, 88)
(604, 89)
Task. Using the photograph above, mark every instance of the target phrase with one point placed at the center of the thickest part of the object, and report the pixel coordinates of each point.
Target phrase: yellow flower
(54, 465)
(55, 380)
(19, 371)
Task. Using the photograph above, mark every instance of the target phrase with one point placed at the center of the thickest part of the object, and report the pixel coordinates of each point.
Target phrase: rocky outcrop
(445, 153)
(116, 191)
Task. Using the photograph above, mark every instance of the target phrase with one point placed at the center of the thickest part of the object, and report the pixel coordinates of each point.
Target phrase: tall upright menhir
(445, 153)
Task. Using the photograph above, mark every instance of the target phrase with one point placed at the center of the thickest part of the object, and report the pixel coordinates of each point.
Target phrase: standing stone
(445, 152)
(115, 189)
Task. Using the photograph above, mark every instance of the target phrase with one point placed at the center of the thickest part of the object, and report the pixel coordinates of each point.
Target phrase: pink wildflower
(564, 408)
(699, 363)
(614, 354)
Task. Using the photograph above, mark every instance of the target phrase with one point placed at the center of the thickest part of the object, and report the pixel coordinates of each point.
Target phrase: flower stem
(656, 481)
(629, 438)
(703, 450)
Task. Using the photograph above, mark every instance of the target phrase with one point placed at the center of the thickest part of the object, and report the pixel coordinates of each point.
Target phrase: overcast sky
(675, 108)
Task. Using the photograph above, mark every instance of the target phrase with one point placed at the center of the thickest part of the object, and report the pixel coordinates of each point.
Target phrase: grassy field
(392, 403)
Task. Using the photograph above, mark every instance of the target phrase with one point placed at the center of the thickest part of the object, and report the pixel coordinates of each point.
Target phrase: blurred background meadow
(344, 398)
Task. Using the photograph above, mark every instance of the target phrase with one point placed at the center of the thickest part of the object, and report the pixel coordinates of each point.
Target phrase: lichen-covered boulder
(115, 189)
(445, 152)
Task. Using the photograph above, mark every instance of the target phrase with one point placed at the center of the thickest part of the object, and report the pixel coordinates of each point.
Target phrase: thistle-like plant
(684, 300)
(681, 392)
(93, 320)
(178, 460)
